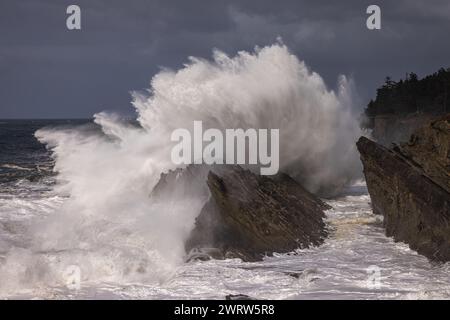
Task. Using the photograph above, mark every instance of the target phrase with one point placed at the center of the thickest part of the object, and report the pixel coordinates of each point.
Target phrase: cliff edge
(409, 185)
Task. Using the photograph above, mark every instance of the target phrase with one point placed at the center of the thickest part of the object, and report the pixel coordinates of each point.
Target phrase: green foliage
(411, 95)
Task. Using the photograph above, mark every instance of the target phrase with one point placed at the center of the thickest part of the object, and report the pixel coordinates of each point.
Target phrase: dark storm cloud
(48, 71)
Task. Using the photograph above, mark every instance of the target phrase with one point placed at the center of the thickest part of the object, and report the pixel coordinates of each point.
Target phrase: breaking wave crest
(109, 227)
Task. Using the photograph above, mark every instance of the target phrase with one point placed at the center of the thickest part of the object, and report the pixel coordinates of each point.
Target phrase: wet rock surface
(249, 216)
(409, 185)
(238, 297)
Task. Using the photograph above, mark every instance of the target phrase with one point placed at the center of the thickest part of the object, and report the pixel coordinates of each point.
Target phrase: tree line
(430, 94)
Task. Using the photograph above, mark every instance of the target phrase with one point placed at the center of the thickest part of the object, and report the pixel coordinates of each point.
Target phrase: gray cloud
(48, 71)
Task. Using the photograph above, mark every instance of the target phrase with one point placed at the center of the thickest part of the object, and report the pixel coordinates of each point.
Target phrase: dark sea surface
(22, 156)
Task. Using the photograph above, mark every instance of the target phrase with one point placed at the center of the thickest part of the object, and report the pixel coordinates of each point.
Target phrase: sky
(48, 71)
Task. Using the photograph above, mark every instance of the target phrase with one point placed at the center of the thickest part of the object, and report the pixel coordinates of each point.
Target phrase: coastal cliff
(409, 185)
(402, 107)
(388, 129)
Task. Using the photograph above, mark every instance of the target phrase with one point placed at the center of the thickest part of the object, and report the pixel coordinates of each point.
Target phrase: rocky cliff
(388, 129)
(410, 186)
(401, 107)
(249, 216)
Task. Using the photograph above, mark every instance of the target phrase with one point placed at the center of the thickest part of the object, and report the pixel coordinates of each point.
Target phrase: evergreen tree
(430, 94)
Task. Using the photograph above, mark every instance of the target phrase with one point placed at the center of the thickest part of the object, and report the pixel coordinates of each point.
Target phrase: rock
(429, 148)
(248, 216)
(178, 183)
(295, 275)
(238, 297)
(204, 254)
(308, 275)
(409, 186)
(388, 129)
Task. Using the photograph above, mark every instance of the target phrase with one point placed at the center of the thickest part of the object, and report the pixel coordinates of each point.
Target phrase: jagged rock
(429, 148)
(409, 186)
(238, 297)
(295, 275)
(248, 216)
(187, 182)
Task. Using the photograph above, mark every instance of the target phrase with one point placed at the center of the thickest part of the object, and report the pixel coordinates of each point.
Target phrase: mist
(110, 227)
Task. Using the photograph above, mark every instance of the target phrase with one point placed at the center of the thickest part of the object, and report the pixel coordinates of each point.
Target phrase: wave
(16, 167)
(109, 226)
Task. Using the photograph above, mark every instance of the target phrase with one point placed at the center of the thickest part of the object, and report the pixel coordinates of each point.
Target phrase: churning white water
(339, 269)
(99, 218)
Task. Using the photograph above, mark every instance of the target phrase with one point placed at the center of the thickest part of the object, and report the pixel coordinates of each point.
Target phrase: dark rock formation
(429, 148)
(410, 186)
(247, 215)
(388, 129)
(238, 297)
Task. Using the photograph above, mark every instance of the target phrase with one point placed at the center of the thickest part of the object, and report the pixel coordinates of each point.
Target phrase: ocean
(357, 261)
